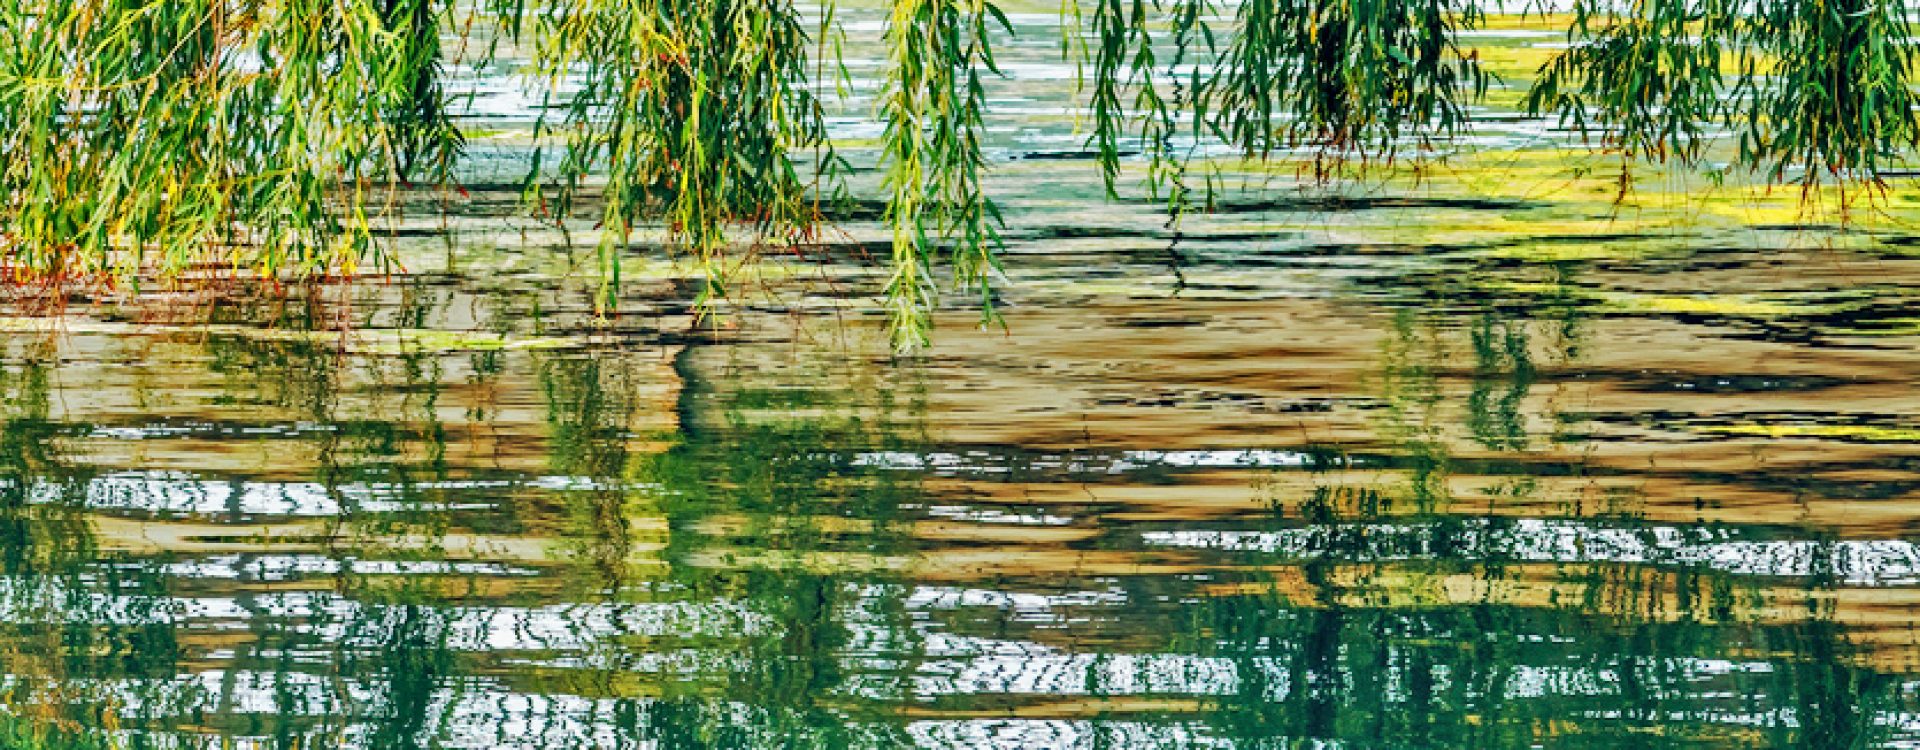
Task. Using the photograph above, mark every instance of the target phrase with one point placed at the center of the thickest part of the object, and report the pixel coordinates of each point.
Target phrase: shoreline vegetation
(143, 139)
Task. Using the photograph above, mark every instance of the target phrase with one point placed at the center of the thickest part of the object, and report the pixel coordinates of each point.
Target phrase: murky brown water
(1463, 466)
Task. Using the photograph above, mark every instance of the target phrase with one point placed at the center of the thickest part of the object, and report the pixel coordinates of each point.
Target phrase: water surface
(1487, 463)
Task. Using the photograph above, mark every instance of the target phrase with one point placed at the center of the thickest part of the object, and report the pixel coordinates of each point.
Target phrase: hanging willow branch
(1340, 79)
(1824, 87)
(695, 111)
(934, 105)
(164, 134)
(151, 137)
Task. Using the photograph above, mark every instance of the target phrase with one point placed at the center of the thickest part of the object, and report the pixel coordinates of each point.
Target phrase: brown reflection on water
(1377, 515)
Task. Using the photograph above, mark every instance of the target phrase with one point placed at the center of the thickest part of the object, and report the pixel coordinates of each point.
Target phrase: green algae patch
(1846, 432)
(425, 340)
(1627, 302)
(1730, 305)
(1599, 250)
(1891, 327)
(369, 341)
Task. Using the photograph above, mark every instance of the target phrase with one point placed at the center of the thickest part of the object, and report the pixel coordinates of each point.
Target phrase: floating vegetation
(391, 341)
(1845, 432)
(151, 140)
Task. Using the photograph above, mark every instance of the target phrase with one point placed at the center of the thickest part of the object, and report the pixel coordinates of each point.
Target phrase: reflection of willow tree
(45, 545)
(593, 405)
(48, 536)
(1812, 686)
(1318, 659)
(64, 645)
(378, 435)
(1500, 353)
(1414, 399)
(766, 505)
(761, 503)
(1831, 697)
(1334, 656)
(1411, 614)
(399, 652)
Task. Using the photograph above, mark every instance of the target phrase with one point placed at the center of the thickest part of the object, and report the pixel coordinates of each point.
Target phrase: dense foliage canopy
(142, 137)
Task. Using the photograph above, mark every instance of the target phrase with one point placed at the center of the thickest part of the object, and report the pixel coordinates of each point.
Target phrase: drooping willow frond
(1821, 86)
(151, 137)
(934, 104)
(1337, 79)
(1842, 97)
(695, 112)
(1344, 77)
(166, 134)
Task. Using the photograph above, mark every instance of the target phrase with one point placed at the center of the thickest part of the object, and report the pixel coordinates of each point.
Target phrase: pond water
(1484, 462)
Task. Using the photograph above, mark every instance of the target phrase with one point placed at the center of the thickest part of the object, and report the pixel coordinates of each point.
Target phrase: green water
(1390, 514)
(1486, 461)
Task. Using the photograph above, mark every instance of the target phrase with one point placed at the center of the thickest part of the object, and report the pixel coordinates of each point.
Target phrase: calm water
(1449, 469)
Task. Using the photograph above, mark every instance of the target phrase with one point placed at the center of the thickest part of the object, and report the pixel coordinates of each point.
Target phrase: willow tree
(1813, 90)
(158, 135)
(696, 114)
(142, 139)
